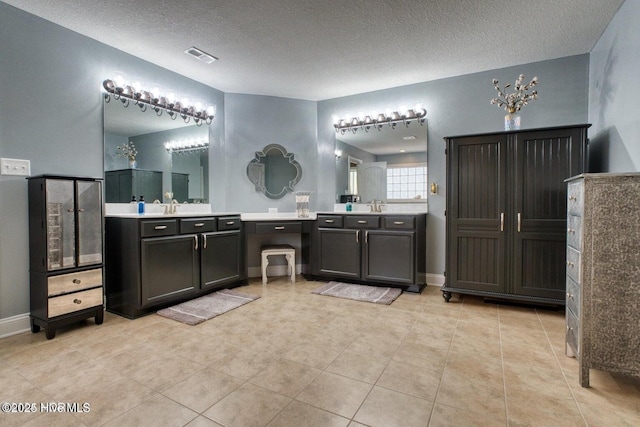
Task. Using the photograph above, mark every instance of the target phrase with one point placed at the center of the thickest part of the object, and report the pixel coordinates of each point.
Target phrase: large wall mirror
(388, 165)
(274, 171)
(181, 173)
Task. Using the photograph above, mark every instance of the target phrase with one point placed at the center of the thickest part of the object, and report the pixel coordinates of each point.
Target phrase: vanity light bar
(377, 121)
(186, 146)
(143, 98)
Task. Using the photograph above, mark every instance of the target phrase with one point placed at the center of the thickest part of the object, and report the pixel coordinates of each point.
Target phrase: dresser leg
(446, 295)
(583, 373)
(50, 332)
(34, 328)
(99, 317)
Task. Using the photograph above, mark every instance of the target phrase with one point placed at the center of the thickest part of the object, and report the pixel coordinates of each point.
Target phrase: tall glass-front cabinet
(65, 251)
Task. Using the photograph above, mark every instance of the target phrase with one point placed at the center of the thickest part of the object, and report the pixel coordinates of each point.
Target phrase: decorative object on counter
(126, 92)
(207, 307)
(374, 294)
(302, 203)
(378, 120)
(128, 151)
(514, 101)
(273, 171)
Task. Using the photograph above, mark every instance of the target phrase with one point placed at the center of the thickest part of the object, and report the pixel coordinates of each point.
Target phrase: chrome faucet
(171, 208)
(376, 205)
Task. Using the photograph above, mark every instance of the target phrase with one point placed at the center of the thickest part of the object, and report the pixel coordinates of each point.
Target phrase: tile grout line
(504, 378)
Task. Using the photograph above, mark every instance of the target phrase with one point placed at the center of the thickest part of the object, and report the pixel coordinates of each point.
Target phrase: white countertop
(169, 216)
(275, 216)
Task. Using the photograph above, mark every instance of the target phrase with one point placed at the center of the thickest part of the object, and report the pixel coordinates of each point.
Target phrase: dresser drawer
(197, 225)
(330, 221)
(575, 197)
(278, 227)
(74, 302)
(399, 222)
(159, 228)
(573, 333)
(362, 221)
(65, 283)
(573, 264)
(228, 223)
(574, 231)
(573, 297)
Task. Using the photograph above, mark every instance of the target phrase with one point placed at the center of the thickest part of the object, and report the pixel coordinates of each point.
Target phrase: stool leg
(292, 266)
(265, 262)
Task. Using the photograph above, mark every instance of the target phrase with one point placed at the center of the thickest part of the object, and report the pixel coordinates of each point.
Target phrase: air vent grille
(201, 55)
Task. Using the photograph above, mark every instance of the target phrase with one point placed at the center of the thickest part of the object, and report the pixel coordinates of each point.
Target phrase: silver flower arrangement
(514, 101)
(127, 151)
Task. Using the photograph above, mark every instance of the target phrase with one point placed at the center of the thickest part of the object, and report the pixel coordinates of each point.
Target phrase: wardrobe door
(476, 203)
(541, 163)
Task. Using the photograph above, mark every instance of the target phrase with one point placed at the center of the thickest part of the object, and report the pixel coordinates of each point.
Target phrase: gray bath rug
(207, 307)
(375, 294)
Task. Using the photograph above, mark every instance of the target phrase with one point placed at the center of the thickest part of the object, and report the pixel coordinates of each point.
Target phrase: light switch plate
(15, 167)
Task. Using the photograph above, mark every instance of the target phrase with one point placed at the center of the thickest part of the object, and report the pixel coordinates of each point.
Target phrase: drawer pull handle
(362, 221)
(230, 222)
(571, 230)
(573, 198)
(519, 222)
(195, 239)
(279, 228)
(204, 241)
(502, 221)
(569, 296)
(200, 224)
(77, 301)
(366, 237)
(357, 236)
(398, 222)
(77, 281)
(570, 264)
(329, 221)
(160, 227)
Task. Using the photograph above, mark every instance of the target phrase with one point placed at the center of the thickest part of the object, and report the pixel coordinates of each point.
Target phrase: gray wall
(51, 113)
(251, 123)
(457, 106)
(613, 93)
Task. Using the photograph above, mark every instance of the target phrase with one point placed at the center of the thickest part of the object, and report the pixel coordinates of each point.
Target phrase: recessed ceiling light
(201, 55)
(409, 138)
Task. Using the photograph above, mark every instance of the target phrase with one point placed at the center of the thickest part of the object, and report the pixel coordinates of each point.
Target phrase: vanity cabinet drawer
(362, 221)
(74, 302)
(65, 283)
(197, 225)
(400, 222)
(573, 264)
(159, 228)
(330, 221)
(278, 227)
(574, 231)
(228, 223)
(575, 198)
(573, 297)
(573, 333)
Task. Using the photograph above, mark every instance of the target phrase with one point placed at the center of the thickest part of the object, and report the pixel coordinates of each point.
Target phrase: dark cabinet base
(54, 323)
(447, 293)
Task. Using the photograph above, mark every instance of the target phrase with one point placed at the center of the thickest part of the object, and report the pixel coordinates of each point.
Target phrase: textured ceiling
(325, 49)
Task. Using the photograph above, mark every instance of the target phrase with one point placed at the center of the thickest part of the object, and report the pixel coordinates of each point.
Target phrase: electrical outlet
(15, 167)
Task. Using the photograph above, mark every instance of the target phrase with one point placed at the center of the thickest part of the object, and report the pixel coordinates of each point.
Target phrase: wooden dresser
(603, 273)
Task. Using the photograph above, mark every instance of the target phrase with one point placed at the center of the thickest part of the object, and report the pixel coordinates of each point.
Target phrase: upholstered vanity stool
(290, 254)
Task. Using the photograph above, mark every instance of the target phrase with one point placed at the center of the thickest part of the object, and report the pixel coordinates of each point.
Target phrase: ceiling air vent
(202, 56)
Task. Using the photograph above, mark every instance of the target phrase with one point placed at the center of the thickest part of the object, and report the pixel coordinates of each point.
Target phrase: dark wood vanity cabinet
(65, 251)
(506, 212)
(158, 262)
(385, 249)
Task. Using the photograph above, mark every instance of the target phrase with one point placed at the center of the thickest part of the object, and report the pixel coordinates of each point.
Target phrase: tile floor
(293, 358)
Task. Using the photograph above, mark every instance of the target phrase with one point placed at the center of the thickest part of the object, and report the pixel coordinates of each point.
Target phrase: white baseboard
(14, 325)
(435, 279)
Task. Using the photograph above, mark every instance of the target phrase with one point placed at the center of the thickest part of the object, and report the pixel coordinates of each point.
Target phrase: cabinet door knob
(81, 210)
(77, 281)
(572, 198)
(570, 264)
(77, 301)
(571, 230)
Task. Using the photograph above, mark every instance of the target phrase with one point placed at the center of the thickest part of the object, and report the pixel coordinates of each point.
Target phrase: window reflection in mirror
(184, 174)
(388, 165)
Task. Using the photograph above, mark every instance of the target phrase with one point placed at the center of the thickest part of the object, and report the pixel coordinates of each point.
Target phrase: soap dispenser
(141, 205)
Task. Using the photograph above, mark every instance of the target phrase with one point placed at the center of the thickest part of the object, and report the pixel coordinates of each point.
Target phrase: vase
(512, 121)
(133, 164)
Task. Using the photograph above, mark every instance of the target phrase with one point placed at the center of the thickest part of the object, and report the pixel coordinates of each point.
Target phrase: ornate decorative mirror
(274, 171)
